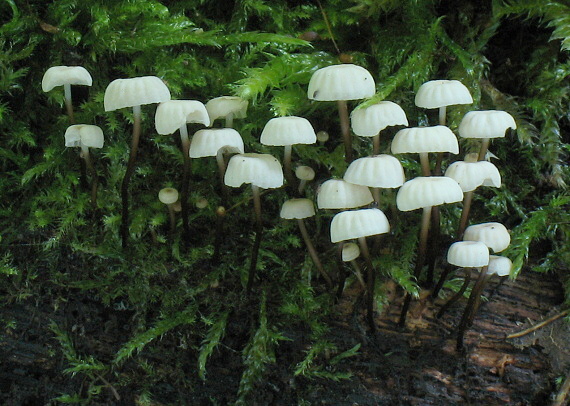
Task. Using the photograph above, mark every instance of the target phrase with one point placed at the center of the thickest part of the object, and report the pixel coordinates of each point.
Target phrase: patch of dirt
(415, 365)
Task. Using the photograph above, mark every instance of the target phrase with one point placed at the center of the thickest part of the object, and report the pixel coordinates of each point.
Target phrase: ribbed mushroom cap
(500, 266)
(339, 194)
(65, 75)
(429, 191)
(168, 195)
(494, 235)
(173, 114)
(350, 251)
(438, 138)
(304, 172)
(471, 175)
(383, 171)
(341, 82)
(135, 92)
(84, 135)
(208, 141)
(369, 121)
(468, 254)
(351, 224)
(291, 130)
(262, 170)
(486, 124)
(220, 107)
(440, 93)
(297, 209)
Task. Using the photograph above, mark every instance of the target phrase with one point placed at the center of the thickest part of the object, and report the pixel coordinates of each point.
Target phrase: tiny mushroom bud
(304, 174)
(322, 137)
(169, 196)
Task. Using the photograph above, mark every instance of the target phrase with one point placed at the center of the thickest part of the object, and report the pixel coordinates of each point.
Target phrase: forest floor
(415, 365)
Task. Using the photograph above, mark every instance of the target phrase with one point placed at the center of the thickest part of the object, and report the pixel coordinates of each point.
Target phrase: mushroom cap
(471, 175)
(208, 141)
(383, 171)
(135, 92)
(427, 191)
(500, 266)
(347, 225)
(84, 135)
(300, 208)
(290, 130)
(369, 121)
(173, 114)
(341, 82)
(493, 235)
(168, 195)
(438, 138)
(440, 93)
(262, 170)
(65, 75)
(339, 194)
(350, 251)
(468, 254)
(486, 124)
(322, 136)
(220, 107)
(304, 172)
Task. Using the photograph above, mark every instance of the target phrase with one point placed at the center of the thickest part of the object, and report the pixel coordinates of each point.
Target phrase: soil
(415, 365)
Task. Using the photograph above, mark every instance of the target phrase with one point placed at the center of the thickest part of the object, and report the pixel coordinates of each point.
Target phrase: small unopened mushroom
(133, 92)
(169, 196)
(351, 251)
(370, 121)
(66, 76)
(301, 209)
(228, 108)
(359, 224)
(86, 136)
(304, 174)
(322, 137)
(341, 83)
(261, 171)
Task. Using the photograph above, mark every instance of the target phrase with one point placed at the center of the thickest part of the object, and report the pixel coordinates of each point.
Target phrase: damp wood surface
(414, 365)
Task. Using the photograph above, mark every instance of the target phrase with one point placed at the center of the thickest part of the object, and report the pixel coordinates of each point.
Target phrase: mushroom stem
(358, 273)
(257, 242)
(128, 174)
(302, 184)
(345, 129)
(376, 195)
(424, 231)
(433, 244)
(172, 216)
(467, 198)
(342, 274)
(471, 307)
(370, 280)
(446, 270)
(484, 148)
(424, 160)
(287, 172)
(222, 171)
(313, 252)
(68, 102)
(376, 144)
(442, 114)
(185, 182)
(455, 297)
(439, 156)
(220, 214)
(229, 120)
(94, 179)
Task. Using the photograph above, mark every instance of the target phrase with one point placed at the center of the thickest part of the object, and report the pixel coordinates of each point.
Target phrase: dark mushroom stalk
(313, 252)
(472, 305)
(133, 93)
(169, 196)
(345, 129)
(94, 177)
(185, 143)
(370, 283)
(257, 241)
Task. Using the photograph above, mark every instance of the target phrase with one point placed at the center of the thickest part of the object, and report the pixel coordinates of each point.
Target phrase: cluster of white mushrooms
(356, 197)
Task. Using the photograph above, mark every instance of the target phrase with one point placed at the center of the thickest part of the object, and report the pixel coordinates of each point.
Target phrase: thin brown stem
(313, 252)
(484, 148)
(470, 309)
(345, 129)
(287, 171)
(184, 189)
(370, 283)
(94, 178)
(455, 297)
(257, 242)
(467, 199)
(172, 216)
(424, 161)
(376, 144)
(128, 174)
